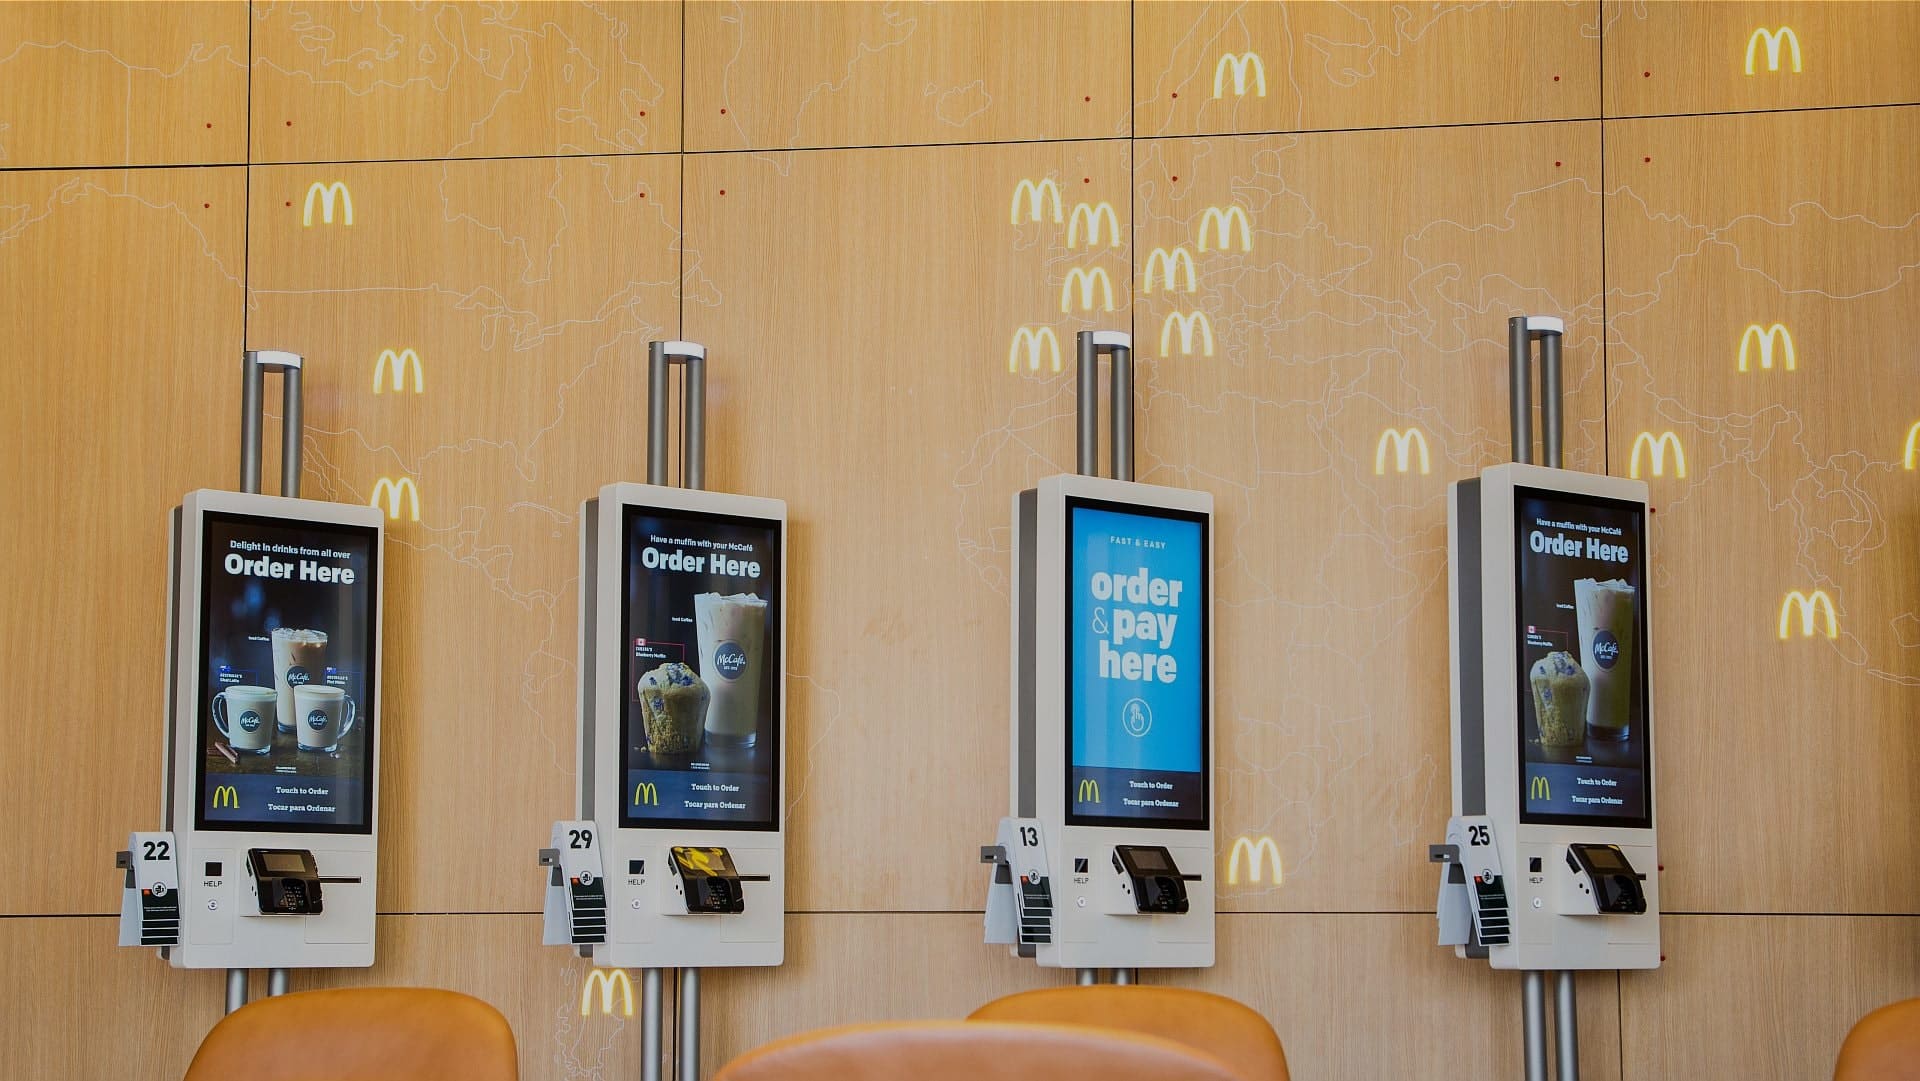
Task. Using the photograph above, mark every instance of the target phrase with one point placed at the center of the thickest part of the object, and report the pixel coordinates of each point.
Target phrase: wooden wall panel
(122, 84)
(779, 75)
(860, 372)
(1795, 480)
(1693, 58)
(334, 82)
(122, 363)
(528, 290)
(1315, 66)
(1765, 997)
(1363, 314)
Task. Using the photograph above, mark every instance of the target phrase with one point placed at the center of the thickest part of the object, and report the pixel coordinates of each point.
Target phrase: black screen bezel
(1522, 683)
(203, 699)
(1205, 521)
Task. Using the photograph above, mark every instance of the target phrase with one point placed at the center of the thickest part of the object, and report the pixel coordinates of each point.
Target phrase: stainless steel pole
(693, 424)
(657, 366)
(1120, 373)
(292, 428)
(1520, 388)
(1533, 996)
(686, 1049)
(236, 988)
(1125, 976)
(1087, 977)
(652, 1012)
(279, 980)
(1566, 1026)
(1551, 434)
(250, 380)
(1086, 375)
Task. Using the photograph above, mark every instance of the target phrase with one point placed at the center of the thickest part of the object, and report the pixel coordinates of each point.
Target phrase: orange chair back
(968, 1051)
(1884, 1046)
(1217, 1025)
(360, 1034)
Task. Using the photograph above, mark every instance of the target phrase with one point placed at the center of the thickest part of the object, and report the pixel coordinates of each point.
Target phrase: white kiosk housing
(1103, 860)
(677, 857)
(268, 858)
(1550, 858)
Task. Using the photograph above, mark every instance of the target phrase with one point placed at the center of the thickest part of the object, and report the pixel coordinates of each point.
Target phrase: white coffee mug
(245, 715)
(324, 714)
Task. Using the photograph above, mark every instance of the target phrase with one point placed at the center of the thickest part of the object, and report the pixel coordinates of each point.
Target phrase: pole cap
(690, 350)
(1545, 324)
(275, 358)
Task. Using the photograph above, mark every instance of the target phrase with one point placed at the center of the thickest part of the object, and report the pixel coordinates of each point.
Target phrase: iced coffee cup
(1607, 624)
(733, 637)
(1560, 700)
(299, 658)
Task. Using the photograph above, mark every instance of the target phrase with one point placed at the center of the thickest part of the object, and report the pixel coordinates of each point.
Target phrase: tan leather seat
(969, 1051)
(1884, 1046)
(1223, 1028)
(360, 1034)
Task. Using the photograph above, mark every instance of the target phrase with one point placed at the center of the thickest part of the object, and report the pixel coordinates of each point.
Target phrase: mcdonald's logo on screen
(226, 796)
(1913, 445)
(1753, 339)
(1773, 40)
(392, 367)
(1190, 325)
(1656, 449)
(390, 492)
(1403, 444)
(1165, 267)
(1034, 340)
(606, 981)
(1538, 788)
(1085, 279)
(1240, 65)
(645, 793)
(1093, 215)
(1219, 224)
(1262, 855)
(328, 195)
(1087, 792)
(1810, 608)
(1037, 196)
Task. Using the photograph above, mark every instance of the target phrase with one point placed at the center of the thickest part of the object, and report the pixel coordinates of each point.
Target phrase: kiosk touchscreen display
(287, 658)
(1582, 634)
(700, 700)
(1137, 703)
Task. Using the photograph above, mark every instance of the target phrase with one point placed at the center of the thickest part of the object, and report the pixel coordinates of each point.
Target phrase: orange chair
(1884, 1046)
(1219, 1026)
(968, 1051)
(360, 1034)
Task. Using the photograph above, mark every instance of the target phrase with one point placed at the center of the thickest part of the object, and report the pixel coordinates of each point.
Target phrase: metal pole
(1551, 434)
(1087, 977)
(1123, 977)
(693, 424)
(1533, 996)
(279, 981)
(686, 1049)
(1087, 410)
(1520, 388)
(657, 412)
(291, 431)
(1121, 376)
(236, 988)
(651, 1012)
(250, 380)
(1566, 1026)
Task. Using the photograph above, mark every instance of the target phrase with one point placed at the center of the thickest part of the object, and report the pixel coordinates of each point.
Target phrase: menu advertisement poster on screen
(1137, 659)
(700, 705)
(1583, 665)
(287, 650)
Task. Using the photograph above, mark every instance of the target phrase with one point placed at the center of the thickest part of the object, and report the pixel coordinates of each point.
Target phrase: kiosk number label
(580, 839)
(1029, 837)
(156, 850)
(1477, 836)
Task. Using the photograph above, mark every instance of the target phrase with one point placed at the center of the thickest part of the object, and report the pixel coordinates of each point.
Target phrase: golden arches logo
(1403, 444)
(1773, 39)
(1087, 792)
(1809, 607)
(1086, 279)
(226, 796)
(395, 366)
(1913, 445)
(1261, 855)
(1034, 339)
(328, 194)
(1240, 64)
(1191, 325)
(1539, 789)
(645, 793)
(1093, 215)
(1774, 337)
(1657, 448)
(1219, 223)
(1036, 196)
(1165, 267)
(607, 981)
(390, 492)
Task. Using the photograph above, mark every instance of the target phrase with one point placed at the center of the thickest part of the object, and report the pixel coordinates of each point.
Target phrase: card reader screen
(1582, 636)
(287, 657)
(1137, 698)
(700, 690)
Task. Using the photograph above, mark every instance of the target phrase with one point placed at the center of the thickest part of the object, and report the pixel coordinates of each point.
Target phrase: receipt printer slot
(710, 882)
(1151, 876)
(1613, 881)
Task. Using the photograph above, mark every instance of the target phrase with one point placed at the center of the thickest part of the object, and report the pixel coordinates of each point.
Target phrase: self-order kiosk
(270, 806)
(1105, 858)
(676, 859)
(1550, 858)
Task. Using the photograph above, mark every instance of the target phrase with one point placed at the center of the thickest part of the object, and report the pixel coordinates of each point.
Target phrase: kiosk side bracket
(1117, 345)
(661, 357)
